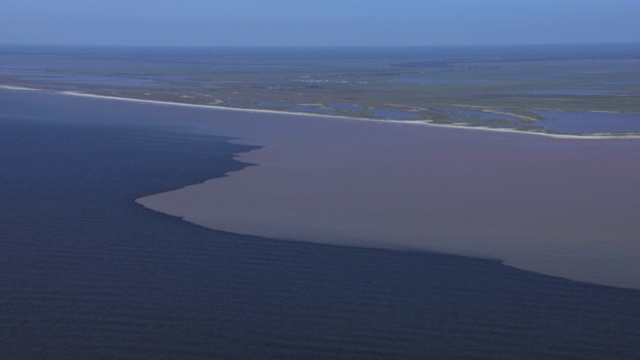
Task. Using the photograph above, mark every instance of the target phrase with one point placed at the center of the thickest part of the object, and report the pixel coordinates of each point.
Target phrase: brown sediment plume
(561, 207)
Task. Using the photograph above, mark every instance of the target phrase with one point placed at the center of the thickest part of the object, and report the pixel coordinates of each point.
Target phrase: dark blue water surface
(85, 273)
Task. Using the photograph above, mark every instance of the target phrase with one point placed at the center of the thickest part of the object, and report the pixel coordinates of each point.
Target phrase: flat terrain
(498, 87)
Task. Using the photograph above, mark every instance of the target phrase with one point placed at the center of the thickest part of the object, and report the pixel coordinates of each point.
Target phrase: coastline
(280, 112)
(18, 88)
(407, 122)
(539, 204)
(548, 214)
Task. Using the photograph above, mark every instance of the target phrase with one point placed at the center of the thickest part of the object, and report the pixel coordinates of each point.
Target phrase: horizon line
(321, 46)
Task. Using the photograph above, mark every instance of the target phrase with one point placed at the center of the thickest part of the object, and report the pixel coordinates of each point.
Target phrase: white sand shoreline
(403, 122)
(339, 117)
(19, 88)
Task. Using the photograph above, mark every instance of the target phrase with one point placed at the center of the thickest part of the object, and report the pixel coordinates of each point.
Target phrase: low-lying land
(497, 87)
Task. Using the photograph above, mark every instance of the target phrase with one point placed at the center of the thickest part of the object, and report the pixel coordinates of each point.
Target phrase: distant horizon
(323, 46)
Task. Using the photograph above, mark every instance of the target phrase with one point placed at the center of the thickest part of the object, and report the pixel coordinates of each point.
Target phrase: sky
(318, 22)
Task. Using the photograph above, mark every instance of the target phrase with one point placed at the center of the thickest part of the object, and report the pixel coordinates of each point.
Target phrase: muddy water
(562, 207)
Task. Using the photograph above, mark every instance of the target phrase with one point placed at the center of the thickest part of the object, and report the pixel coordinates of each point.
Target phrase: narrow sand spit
(17, 88)
(404, 122)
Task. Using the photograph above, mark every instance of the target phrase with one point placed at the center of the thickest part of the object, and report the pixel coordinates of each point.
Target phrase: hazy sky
(318, 22)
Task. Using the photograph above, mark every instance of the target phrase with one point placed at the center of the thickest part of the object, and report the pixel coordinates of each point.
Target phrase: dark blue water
(85, 273)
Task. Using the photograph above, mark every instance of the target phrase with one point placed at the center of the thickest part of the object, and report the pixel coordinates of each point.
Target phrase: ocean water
(85, 273)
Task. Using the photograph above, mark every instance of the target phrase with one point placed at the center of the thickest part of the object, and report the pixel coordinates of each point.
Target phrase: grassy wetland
(547, 89)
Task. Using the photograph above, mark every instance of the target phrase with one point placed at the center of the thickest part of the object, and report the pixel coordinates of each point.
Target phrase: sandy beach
(389, 121)
(309, 114)
(17, 88)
